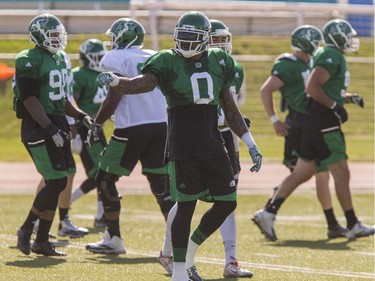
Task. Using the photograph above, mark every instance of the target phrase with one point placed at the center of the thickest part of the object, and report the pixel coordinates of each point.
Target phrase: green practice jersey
(50, 71)
(294, 73)
(192, 90)
(333, 61)
(86, 92)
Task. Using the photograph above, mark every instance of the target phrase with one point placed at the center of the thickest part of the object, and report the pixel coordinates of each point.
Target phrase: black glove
(86, 120)
(247, 121)
(357, 99)
(93, 133)
(340, 113)
(59, 137)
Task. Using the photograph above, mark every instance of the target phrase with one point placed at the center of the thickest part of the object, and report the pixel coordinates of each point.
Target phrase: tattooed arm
(232, 115)
(237, 125)
(136, 85)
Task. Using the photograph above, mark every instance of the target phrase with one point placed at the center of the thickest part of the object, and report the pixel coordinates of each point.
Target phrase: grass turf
(302, 252)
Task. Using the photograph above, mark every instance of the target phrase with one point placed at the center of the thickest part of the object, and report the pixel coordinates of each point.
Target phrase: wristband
(220, 120)
(115, 81)
(333, 105)
(248, 139)
(274, 118)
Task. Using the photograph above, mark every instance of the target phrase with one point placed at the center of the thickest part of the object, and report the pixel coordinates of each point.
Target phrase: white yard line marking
(277, 267)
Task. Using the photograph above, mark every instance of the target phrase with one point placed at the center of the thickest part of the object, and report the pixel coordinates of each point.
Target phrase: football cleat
(193, 274)
(336, 231)
(265, 220)
(67, 228)
(360, 230)
(107, 245)
(166, 262)
(233, 270)
(23, 241)
(46, 249)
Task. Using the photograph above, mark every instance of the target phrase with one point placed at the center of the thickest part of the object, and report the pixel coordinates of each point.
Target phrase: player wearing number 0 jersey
(194, 81)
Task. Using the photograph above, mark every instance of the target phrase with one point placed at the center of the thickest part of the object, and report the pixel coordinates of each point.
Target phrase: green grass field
(302, 252)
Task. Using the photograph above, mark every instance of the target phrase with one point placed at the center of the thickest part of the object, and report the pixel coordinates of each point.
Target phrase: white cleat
(233, 270)
(108, 245)
(67, 228)
(360, 230)
(166, 262)
(265, 220)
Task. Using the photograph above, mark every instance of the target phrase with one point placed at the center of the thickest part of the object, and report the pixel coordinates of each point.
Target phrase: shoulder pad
(287, 56)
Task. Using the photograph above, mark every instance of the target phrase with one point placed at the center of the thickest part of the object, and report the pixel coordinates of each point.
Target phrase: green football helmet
(191, 34)
(306, 38)
(340, 34)
(126, 33)
(47, 32)
(91, 52)
(220, 37)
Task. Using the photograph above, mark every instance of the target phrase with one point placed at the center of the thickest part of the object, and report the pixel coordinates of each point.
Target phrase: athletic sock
(350, 218)
(330, 217)
(77, 193)
(63, 213)
(190, 254)
(99, 210)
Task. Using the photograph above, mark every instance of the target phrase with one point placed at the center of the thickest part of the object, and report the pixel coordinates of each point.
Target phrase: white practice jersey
(137, 109)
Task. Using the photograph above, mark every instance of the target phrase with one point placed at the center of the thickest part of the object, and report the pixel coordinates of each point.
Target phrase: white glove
(76, 144)
(107, 78)
(256, 157)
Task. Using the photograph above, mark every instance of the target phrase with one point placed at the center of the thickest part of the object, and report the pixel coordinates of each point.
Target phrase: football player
(289, 75)
(321, 139)
(140, 130)
(194, 80)
(40, 100)
(220, 37)
(66, 226)
(89, 97)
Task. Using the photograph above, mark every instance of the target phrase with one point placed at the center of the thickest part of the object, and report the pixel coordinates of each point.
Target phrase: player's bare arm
(36, 110)
(72, 110)
(108, 106)
(232, 114)
(319, 76)
(137, 85)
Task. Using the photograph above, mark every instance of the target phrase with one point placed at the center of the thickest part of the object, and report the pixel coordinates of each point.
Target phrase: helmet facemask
(221, 39)
(91, 52)
(340, 34)
(190, 42)
(47, 32)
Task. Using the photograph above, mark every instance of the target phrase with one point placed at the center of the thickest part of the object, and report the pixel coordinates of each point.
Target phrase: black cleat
(23, 241)
(45, 248)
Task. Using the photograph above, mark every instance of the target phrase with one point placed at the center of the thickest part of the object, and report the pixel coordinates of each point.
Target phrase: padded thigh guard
(106, 184)
(159, 184)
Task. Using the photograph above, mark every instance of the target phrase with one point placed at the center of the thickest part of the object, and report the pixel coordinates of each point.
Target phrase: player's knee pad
(225, 207)
(58, 184)
(106, 184)
(47, 197)
(160, 188)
